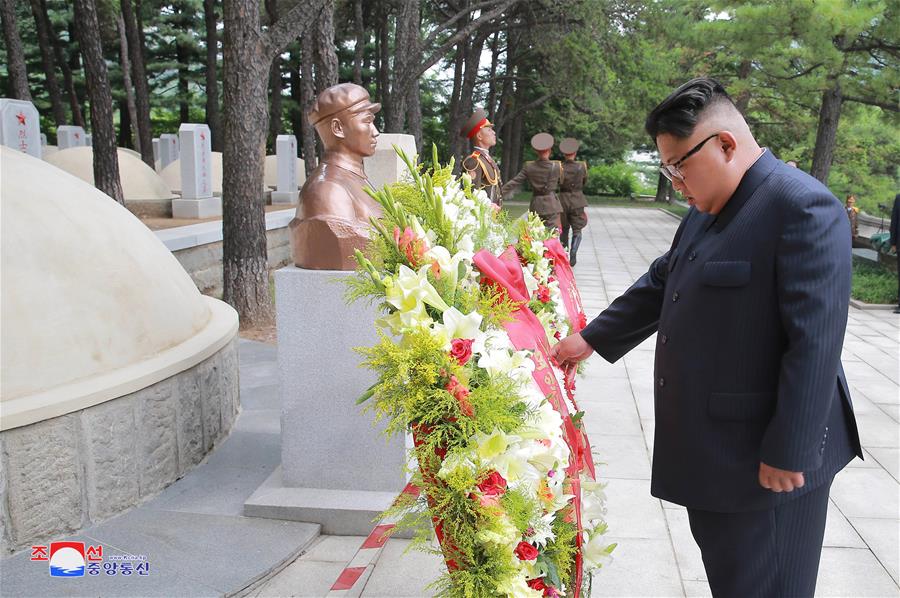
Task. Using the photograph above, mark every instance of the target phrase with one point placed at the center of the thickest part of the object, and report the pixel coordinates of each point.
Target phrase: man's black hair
(678, 114)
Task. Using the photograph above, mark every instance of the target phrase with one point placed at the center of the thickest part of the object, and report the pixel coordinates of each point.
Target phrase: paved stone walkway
(656, 554)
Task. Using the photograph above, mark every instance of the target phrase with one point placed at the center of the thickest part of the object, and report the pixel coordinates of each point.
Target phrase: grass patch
(873, 283)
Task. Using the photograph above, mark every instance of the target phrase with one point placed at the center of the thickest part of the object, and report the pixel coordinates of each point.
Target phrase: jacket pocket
(726, 274)
(741, 406)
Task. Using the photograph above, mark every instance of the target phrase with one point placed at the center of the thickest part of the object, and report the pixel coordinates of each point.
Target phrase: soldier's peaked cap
(569, 145)
(339, 98)
(542, 141)
(475, 123)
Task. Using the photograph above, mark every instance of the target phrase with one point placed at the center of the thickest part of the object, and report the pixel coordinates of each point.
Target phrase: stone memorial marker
(88, 140)
(43, 139)
(286, 150)
(386, 166)
(169, 149)
(20, 126)
(195, 152)
(156, 153)
(69, 136)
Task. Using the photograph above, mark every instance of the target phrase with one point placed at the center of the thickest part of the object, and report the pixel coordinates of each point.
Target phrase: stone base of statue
(285, 197)
(337, 468)
(197, 208)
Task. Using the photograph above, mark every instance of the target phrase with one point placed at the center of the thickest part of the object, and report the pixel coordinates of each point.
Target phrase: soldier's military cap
(475, 123)
(542, 141)
(337, 99)
(568, 145)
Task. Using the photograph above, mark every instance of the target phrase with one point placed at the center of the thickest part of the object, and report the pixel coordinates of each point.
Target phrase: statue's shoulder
(326, 192)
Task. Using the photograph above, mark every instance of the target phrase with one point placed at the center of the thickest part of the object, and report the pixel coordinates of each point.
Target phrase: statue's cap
(542, 141)
(569, 145)
(339, 98)
(475, 123)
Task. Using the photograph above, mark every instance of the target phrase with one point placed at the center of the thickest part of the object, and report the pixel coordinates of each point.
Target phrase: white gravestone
(20, 126)
(156, 154)
(169, 149)
(195, 151)
(386, 166)
(286, 150)
(69, 136)
(43, 139)
(88, 139)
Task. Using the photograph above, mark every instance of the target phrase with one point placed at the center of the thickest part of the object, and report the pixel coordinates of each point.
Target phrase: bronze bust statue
(333, 215)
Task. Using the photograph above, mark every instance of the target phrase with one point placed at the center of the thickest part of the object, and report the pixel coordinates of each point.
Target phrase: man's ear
(337, 128)
(728, 142)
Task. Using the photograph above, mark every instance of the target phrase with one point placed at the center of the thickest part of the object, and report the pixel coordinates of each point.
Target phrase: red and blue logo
(67, 559)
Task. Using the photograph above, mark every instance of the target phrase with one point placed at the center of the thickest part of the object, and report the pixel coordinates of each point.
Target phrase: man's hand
(570, 350)
(779, 480)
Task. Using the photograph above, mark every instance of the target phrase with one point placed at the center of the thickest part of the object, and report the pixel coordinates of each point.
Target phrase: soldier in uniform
(543, 175)
(479, 164)
(574, 177)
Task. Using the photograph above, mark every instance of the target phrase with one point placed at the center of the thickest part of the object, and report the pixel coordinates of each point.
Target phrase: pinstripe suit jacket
(750, 307)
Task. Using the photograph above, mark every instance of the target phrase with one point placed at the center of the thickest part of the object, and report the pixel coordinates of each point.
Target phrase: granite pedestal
(337, 468)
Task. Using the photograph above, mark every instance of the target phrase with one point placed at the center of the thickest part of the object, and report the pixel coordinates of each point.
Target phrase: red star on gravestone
(202, 136)
(21, 117)
(77, 135)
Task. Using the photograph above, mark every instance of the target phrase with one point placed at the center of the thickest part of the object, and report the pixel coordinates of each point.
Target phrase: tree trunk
(213, 115)
(742, 101)
(492, 80)
(276, 83)
(384, 65)
(326, 53)
(406, 59)
(183, 56)
(458, 145)
(663, 186)
(126, 83)
(124, 126)
(248, 54)
(15, 55)
(467, 89)
(826, 133)
(41, 20)
(307, 97)
(106, 161)
(68, 80)
(414, 116)
(135, 38)
(295, 113)
(359, 49)
(246, 279)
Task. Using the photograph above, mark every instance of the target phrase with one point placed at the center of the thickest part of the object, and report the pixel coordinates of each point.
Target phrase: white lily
(410, 288)
(596, 551)
(493, 444)
(531, 282)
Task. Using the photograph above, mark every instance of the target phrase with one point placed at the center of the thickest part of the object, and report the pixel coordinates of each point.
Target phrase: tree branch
(291, 26)
(460, 35)
(872, 102)
(459, 15)
(529, 106)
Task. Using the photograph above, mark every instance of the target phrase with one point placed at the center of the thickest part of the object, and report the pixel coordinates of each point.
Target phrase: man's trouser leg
(767, 554)
(564, 228)
(551, 221)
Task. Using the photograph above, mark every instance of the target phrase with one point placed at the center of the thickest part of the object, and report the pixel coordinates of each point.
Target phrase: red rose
(461, 394)
(537, 583)
(543, 294)
(526, 552)
(461, 350)
(493, 485)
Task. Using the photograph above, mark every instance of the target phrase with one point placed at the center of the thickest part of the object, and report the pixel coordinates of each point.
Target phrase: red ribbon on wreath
(526, 333)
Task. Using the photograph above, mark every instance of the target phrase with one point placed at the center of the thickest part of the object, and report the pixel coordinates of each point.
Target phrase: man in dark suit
(753, 413)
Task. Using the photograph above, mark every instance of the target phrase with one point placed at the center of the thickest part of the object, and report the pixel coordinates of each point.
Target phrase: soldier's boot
(573, 251)
(564, 236)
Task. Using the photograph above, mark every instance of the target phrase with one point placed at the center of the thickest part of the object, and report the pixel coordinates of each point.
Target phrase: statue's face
(359, 133)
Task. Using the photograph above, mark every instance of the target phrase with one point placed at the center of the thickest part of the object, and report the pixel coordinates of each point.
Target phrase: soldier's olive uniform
(543, 176)
(571, 196)
(485, 173)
